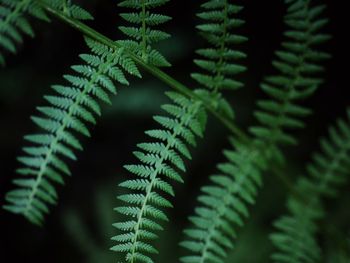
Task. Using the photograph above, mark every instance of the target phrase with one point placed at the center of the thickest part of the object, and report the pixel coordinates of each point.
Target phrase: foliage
(66, 116)
(143, 34)
(162, 158)
(296, 236)
(224, 204)
(14, 23)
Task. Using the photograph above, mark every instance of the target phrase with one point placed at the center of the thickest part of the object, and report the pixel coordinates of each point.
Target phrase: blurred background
(79, 228)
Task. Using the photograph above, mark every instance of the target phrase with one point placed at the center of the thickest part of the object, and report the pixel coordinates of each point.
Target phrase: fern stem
(222, 49)
(144, 40)
(171, 82)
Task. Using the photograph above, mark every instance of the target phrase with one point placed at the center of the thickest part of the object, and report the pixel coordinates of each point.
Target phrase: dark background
(79, 228)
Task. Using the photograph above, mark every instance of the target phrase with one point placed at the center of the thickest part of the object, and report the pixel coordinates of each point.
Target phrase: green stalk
(171, 82)
(161, 75)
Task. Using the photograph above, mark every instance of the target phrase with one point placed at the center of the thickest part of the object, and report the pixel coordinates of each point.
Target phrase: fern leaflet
(223, 205)
(159, 161)
(142, 33)
(70, 9)
(296, 236)
(218, 59)
(13, 23)
(66, 116)
(297, 65)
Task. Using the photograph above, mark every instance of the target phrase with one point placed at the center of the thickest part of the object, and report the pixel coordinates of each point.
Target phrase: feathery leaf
(70, 110)
(142, 35)
(296, 240)
(161, 161)
(224, 204)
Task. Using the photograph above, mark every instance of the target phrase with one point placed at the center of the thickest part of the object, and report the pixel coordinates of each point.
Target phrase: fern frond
(224, 204)
(219, 60)
(298, 65)
(14, 24)
(142, 34)
(160, 161)
(68, 113)
(295, 240)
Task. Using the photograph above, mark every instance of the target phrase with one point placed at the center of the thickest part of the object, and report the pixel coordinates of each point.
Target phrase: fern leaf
(224, 204)
(161, 161)
(295, 240)
(14, 24)
(68, 113)
(298, 65)
(218, 60)
(142, 34)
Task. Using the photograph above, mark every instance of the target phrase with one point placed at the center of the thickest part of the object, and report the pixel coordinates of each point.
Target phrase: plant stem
(144, 39)
(173, 83)
(161, 75)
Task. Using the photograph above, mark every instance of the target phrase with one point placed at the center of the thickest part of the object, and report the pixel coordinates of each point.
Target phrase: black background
(91, 190)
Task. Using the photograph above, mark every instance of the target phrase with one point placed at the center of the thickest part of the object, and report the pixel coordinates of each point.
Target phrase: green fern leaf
(142, 35)
(295, 240)
(68, 113)
(219, 60)
(297, 79)
(160, 161)
(224, 204)
(14, 24)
